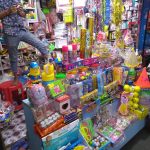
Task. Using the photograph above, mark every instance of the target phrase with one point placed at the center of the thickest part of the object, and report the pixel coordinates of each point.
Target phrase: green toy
(56, 88)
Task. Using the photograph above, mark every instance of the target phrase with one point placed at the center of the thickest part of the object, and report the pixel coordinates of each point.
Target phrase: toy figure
(123, 109)
(48, 74)
(34, 72)
(37, 94)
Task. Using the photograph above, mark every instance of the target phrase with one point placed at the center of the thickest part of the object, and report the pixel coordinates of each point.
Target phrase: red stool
(12, 93)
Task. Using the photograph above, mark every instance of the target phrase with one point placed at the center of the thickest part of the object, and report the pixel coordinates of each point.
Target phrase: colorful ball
(137, 89)
(136, 100)
(130, 103)
(135, 94)
(135, 106)
(127, 88)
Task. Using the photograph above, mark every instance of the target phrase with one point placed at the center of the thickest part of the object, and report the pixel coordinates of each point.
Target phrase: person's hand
(13, 9)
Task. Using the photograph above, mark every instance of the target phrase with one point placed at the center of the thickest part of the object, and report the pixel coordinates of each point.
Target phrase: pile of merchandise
(70, 98)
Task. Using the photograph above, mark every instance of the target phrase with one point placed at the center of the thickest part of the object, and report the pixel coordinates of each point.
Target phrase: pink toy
(37, 94)
(63, 103)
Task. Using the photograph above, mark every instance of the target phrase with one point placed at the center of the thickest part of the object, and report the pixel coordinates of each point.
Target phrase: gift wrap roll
(91, 25)
(82, 43)
(91, 30)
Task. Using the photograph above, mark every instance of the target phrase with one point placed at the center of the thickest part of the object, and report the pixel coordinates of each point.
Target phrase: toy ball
(127, 88)
(130, 103)
(135, 106)
(136, 100)
(137, 89)
(130, 97)
(131, 89)
(135, 94)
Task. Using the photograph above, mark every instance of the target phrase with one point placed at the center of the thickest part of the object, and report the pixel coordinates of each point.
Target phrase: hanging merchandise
(68, 15)
(107, 12)
(61, 6)
(117, 11)
(82, 43)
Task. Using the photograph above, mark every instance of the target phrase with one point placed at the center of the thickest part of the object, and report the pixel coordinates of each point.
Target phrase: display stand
(35, 142)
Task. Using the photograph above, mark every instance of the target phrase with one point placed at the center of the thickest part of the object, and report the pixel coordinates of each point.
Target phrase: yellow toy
(133, 104)
(123, 109)
(34, 72)
(129, 99)
(48, 73)
(118, 9)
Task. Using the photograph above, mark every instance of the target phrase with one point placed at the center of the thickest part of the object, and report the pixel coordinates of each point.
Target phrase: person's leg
(31, 39)
(12, 43)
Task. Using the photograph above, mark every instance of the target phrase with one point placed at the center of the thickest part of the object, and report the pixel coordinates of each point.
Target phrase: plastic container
(70, 54)
(74, 50)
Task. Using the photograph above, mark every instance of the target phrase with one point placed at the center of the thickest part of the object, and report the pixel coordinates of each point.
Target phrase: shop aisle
(140, 142)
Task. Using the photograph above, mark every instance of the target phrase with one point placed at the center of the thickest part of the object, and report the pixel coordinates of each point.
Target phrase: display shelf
(36, 143)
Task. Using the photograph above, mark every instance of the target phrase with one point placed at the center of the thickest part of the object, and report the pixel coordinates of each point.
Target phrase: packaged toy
(37, 94)
(123, 109)
(62, 104)
(56, 88)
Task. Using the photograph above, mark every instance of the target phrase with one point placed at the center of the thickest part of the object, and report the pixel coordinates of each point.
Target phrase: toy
(70, 116)
(48, 74)
(37, 94)
(75, 91)
(110, 133)
(99, 142)
(123, 109)
(118, 74)
(34, 72)
(131, 76)
(57, 124)
(6, 113)
(133, 103)
(89, 96)
(56, 88)
(86, 129)
(100, 81)
(105, 98)
(111, 88)
(49, 121)
(62, 103)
